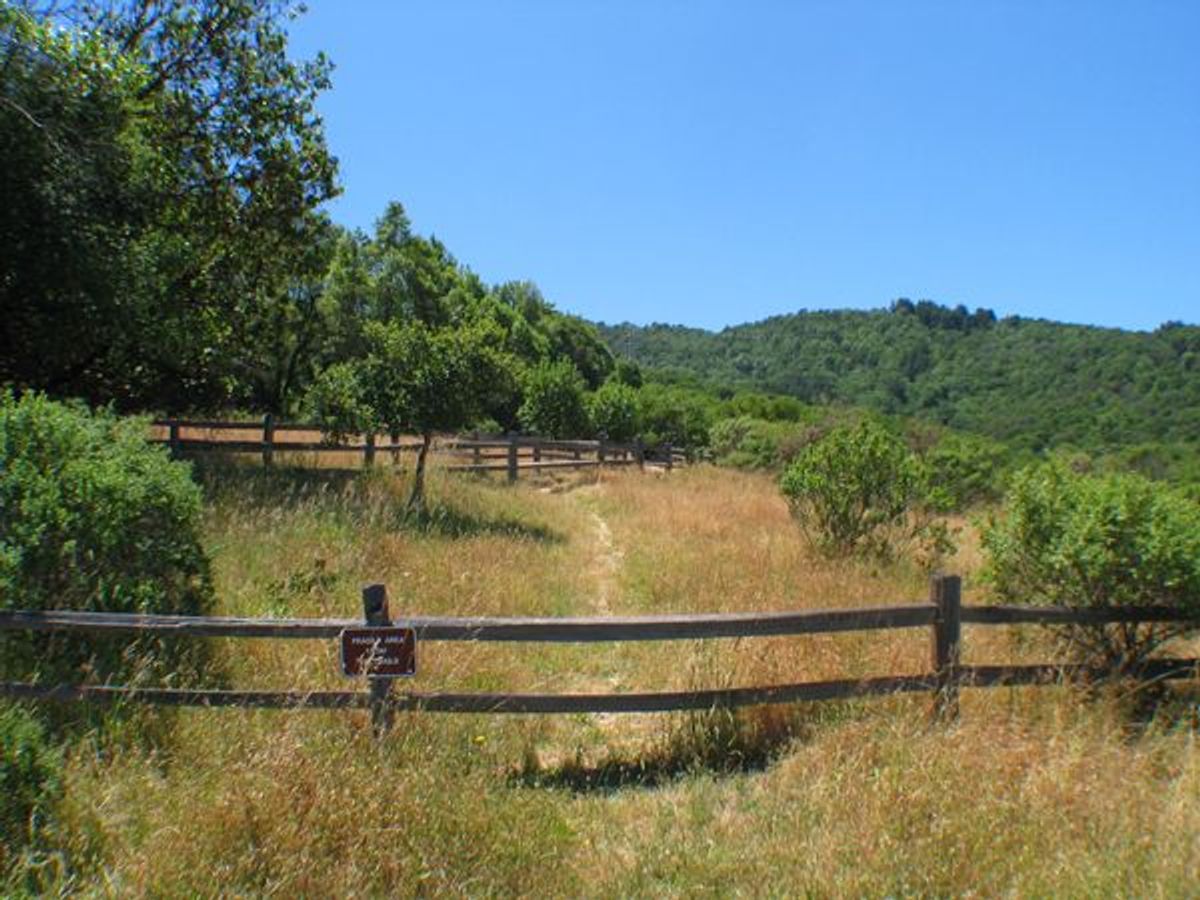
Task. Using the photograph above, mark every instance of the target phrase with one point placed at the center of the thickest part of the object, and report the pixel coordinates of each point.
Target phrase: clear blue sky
(714, 163)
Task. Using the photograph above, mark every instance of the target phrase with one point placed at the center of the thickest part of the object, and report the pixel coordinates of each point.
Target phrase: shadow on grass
(224, 478)
(439, 520)
(712, 742)
(367, 496)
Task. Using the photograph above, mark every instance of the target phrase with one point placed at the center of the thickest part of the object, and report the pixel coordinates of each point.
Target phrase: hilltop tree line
(1031, 383)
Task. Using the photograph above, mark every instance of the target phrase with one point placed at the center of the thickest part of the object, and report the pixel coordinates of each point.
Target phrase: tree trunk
(416, 501)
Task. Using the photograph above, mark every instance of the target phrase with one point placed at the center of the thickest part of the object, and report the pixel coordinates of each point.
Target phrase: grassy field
(1034, 792)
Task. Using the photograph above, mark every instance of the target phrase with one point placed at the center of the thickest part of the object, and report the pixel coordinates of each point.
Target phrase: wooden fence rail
(944, 614)
(516, 453)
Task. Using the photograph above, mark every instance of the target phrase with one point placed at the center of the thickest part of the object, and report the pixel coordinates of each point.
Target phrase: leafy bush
(965, 470)
(614, 411)
(749, 443)
(337, 403)
(553, 404)
(852, 490)
(92, 517)
(30, 776)
(1070, 539)
(676, 415)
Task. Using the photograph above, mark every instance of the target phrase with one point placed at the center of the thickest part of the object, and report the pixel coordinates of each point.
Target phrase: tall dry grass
(1034, 792)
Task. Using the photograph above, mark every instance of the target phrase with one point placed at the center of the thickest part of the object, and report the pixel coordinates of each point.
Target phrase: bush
(30, 777)
(965, 470)
(748, 443)
(676, 415)
(93, 518)
(553, 403)
(852, 491)
(1071, 539)
(614, 411)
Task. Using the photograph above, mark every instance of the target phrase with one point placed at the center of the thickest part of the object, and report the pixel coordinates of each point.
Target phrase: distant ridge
(1031, 382)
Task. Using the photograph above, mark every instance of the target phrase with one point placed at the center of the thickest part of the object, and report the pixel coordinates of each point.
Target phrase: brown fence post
(173, 439)
(639, 453)
(268, 449)
(375, 611)
(537, 451)
(512, 458)
(670, 455)
(395, 435)
(476, 455)
(600, 453)
(945, 592)
(369, 450)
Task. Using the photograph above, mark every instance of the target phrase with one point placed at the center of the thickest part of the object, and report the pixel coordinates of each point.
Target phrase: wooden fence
(511, 454)
(943, 613)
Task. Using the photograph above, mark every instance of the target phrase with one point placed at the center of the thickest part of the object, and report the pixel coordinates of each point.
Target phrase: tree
(78, 179)
(853, 489)
(414, 377)
(1070, 539)
(209, 165)
(553, 404)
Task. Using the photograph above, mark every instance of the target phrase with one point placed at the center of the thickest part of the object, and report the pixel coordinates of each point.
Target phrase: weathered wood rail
(511, 454)
(944, 614)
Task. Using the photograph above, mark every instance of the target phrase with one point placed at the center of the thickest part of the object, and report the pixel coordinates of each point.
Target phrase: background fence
(943, 613)
(511, 454)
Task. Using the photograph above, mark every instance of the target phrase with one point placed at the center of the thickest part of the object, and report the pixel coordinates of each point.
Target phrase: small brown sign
(379, 652)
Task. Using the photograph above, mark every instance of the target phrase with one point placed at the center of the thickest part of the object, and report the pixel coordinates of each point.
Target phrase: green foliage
(553, 404)
(162, 167)
(746, 442)
(77, 177)
(30, 784)
(92, 517)
(965, 470)
(851, 491)
(337, 403)
(425, 379)
(1071, 539)
(678, 415)
(1028, 383)
(614, 411)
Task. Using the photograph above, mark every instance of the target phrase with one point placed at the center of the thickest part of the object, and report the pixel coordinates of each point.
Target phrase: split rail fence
(944, 614)
(511, 454)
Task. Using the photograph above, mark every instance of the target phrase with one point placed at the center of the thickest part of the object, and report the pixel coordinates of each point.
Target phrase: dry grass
(1035, 792)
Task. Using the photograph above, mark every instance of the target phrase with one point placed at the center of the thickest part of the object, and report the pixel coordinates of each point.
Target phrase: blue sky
(708, 163)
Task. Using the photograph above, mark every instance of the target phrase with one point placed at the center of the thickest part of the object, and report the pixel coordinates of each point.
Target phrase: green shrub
(676, 415)
(1071, 539)
(93, 518)
(964, 470)
(30, 777)
(614, 411)
(553, 404)
(852, 491)
(748, 443)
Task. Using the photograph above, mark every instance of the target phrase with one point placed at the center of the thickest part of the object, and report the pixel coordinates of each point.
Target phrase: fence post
(537, 451)
(173, 439)
(600, 453)
(395, 435)
(670, 455)
(512, 458)
(476, 456)
(375, 611)
(268, 450)
(945, 592)
(369, 451)
(639, 453)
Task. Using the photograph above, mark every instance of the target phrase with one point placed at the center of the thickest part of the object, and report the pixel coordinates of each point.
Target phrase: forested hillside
(1033, 383)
